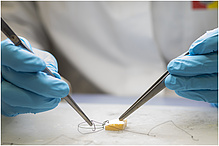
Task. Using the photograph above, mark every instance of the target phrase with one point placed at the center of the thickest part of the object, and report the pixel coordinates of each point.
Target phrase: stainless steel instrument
(17, 42)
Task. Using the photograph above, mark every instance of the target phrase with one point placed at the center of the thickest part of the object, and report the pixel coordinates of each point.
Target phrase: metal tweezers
(16, 40)
(151, 92)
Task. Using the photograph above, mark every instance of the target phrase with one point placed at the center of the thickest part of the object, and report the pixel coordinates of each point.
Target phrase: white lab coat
(122, 47)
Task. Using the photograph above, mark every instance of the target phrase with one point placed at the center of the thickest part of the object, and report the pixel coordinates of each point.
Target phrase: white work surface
(59, 126)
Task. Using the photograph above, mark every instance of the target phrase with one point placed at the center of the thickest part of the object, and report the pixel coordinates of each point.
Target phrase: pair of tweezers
(17, 42)
(158, 86)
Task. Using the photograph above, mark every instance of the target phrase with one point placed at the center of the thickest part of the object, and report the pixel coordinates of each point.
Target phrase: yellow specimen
(116, 125)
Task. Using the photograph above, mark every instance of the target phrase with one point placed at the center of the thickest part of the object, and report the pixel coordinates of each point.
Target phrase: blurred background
(167, 27)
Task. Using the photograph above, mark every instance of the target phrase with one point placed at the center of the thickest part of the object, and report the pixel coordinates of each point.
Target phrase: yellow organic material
(116, 125)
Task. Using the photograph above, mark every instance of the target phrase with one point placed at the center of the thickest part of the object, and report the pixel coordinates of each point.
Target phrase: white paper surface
(59, 126)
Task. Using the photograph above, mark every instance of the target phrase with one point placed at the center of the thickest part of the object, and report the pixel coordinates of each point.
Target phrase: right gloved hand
(25, 88)
(195, 76)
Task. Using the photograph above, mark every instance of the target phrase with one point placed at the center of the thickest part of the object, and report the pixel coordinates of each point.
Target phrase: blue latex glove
(195, 76)
(25, 88)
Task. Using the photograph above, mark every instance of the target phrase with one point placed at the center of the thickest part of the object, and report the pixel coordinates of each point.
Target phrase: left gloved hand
(195, 76)
(25, 88)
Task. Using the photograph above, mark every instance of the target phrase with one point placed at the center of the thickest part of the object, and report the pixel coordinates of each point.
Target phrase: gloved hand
(195, 76)
(25, 88)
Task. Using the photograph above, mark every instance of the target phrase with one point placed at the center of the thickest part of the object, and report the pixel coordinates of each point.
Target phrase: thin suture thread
(175, 126)
(98, 126)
